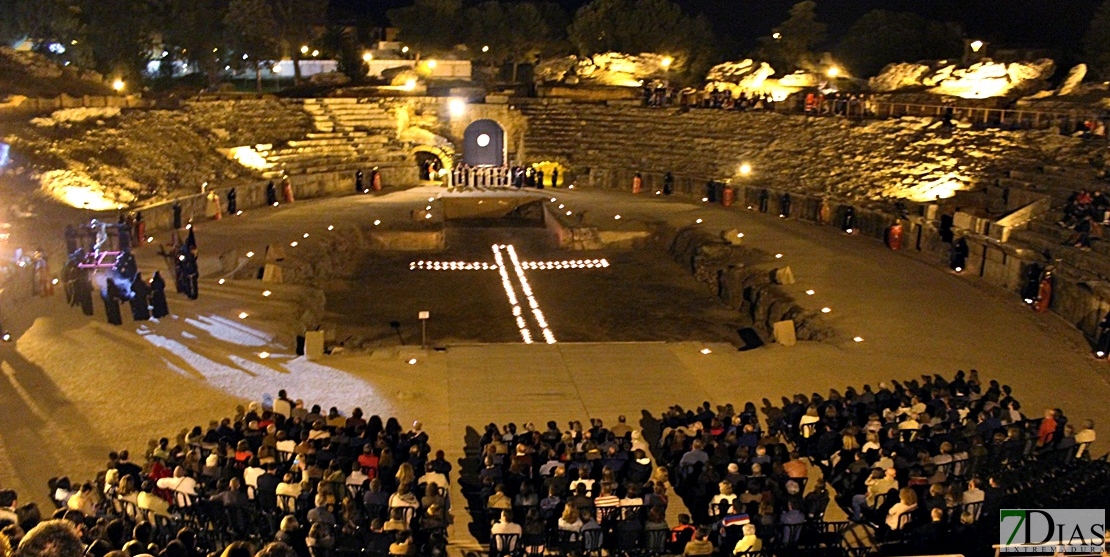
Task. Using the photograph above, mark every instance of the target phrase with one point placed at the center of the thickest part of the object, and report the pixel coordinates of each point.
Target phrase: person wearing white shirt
(251, 473)
(282, 405)
(179, 483)
(810, 417)
(974, 494)
(632, 497)
(506, 526)
(725, 496)
(356, 477)
(288, 487)
(431, 476)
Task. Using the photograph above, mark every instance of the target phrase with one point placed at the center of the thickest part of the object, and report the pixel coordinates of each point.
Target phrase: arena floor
(76, 387)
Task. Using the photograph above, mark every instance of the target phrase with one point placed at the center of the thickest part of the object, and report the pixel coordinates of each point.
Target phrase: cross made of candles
(514, 282)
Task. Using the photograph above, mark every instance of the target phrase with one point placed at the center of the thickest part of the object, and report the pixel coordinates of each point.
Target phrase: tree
(429, 26)
(791, 45)
(42, 21)
(514, 33)
(1096, 43)
(120, 35)
(197, 29)
(297, 21)
(635, 26)
(881, 37)
(252, 33)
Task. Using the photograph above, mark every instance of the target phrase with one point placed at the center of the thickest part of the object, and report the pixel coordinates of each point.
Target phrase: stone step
(331, 135)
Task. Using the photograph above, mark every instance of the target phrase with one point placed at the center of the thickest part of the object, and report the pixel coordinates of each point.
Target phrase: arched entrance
(484, 144)
(432, 161)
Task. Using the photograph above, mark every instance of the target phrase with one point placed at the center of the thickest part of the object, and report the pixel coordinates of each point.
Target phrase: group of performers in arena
(100, 258)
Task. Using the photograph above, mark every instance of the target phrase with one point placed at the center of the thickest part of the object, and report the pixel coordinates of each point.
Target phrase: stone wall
(859, 160)
(252, 196)
(249, 121)
(1077, 298)
(742, 279)
(33, 105)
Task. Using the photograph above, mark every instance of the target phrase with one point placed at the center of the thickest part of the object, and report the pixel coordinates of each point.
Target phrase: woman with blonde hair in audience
(872, 443)
(907, 503)
(659, 476)
(403, 498)
(111, 483)
(570, 521)
(405, 474)
(723, 499)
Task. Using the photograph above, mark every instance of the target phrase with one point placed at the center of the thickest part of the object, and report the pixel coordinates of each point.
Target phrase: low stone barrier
(1078, 299)
(252, 196)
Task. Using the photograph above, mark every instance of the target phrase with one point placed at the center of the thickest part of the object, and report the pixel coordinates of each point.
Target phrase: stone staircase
(350, 114)
(349, 135)
(249, 121)
(1044, 234)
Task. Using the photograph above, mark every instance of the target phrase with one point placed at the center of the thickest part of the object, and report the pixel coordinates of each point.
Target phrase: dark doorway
(429, 164)
(484, 144)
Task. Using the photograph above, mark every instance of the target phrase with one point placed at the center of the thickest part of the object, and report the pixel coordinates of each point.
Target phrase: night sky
(1056, 24)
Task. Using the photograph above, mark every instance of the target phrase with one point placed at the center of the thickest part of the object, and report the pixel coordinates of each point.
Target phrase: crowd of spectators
(318, 482)
(573, 490)
(1085, 213)
(813, 103)
(919, 461)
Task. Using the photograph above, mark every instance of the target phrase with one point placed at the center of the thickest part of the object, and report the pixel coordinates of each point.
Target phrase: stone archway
(484, 143)
(442, 159)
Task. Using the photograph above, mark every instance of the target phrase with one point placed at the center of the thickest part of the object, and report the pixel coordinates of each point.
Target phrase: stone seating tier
(250, 121)
(823, 154)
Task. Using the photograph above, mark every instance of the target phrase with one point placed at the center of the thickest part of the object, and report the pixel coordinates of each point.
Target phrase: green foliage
(42, 20)
(514, 32)
(636, 26)
(296, 25)
(195, 29)
(120, 34)
(792, 45)
(1096, 43)
(342, 43)
(252, 33)
(881, 37)
(429, 26)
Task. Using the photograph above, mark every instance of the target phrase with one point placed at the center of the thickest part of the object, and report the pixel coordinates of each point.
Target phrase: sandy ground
(75, 388)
